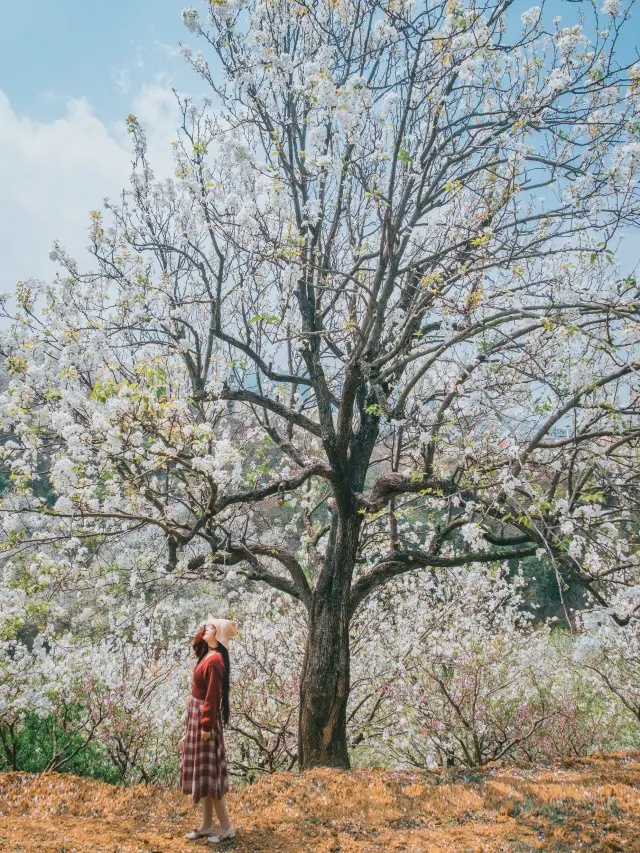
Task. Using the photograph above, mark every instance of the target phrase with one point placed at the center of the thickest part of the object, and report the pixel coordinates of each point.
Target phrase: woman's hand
(205, 736)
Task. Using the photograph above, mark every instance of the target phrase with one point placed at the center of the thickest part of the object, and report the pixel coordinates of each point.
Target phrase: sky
(70, 73)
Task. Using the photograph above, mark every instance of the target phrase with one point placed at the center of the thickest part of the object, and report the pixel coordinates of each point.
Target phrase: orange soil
(587, 804)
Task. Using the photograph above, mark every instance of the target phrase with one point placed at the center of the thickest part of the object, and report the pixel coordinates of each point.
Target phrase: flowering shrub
(610, 654)
(263, 728)
(464, 677)
(126, 692)
(111, 693)
(454, 672)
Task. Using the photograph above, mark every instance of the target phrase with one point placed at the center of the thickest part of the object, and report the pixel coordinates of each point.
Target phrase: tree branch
(407, 561)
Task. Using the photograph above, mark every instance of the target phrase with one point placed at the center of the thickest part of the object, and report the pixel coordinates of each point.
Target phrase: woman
(203, 769)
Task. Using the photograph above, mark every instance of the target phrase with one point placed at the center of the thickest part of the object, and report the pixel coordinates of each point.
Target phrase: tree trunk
(324, 682)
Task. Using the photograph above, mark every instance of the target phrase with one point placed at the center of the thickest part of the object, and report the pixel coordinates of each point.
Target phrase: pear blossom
(345, 346)
(531, 17)
(612, 8)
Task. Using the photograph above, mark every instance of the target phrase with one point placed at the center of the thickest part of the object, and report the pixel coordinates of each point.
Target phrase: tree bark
(324, 682)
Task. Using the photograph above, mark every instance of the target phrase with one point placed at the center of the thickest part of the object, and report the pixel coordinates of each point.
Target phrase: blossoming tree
(610, 656)
(387, 241)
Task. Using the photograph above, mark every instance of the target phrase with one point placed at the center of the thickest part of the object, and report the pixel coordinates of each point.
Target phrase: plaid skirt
(203, 769)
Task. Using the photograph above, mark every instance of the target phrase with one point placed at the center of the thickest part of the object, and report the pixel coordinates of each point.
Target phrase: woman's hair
(201, 650)
(225, 683)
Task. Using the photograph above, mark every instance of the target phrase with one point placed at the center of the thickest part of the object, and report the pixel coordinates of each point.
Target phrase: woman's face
(210, 633)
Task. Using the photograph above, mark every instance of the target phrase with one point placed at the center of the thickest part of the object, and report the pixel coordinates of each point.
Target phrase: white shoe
(222, 836)
(197, 833)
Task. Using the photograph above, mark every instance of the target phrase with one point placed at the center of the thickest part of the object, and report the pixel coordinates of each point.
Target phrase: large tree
(387, 242)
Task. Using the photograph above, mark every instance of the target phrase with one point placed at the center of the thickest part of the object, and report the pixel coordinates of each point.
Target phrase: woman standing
(203, 770)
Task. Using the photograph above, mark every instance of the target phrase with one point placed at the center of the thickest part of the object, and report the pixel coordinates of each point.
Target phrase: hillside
(587, 804)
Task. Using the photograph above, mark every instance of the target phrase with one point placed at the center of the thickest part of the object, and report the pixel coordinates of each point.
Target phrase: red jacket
(207, 683)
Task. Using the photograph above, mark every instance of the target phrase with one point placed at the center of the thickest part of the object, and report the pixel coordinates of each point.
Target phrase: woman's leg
(221, 811)
(207, 813)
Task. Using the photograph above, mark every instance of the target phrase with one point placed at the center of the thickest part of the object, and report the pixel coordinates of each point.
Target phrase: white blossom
(612, 7)
(531, 17)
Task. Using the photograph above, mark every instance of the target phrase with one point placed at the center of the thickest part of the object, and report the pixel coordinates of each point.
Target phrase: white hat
(225, 629)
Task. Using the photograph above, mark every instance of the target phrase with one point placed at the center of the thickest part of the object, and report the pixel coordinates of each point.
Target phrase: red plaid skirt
(203, 769)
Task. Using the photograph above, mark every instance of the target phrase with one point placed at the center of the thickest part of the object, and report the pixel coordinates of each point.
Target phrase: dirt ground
(588, 804)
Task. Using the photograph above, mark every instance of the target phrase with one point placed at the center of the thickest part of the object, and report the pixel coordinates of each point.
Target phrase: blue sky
(60, 49)
(70, 72)
(53, 50)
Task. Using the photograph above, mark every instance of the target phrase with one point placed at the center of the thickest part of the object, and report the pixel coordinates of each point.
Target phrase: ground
(581, 804)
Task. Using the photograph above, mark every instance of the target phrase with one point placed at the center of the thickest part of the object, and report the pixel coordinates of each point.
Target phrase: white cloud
(122, 76)
(171, 50)
(53, 173)
(157, 109)
(122, 79)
